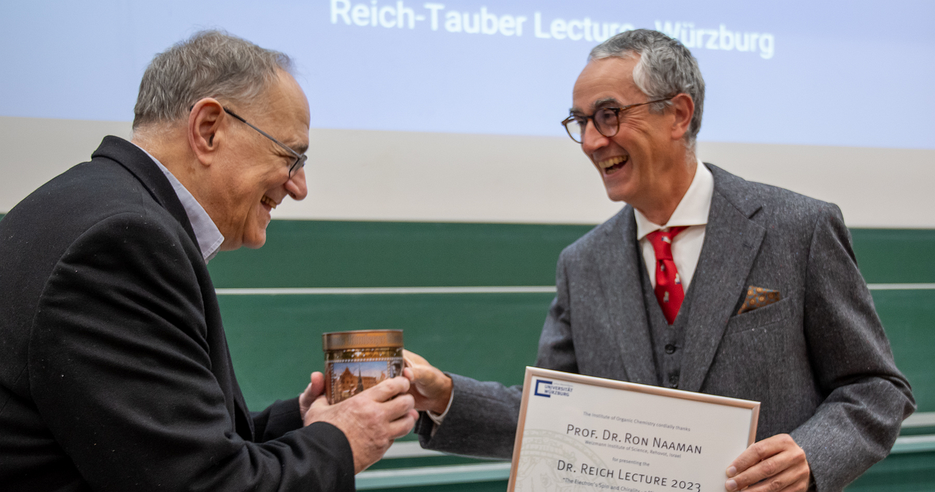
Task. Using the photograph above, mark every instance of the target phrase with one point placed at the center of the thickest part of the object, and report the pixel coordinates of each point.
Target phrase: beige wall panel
(408, 176)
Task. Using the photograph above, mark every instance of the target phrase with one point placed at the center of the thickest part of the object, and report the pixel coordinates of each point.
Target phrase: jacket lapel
(148, 173)
(629, 329)
(732, 241)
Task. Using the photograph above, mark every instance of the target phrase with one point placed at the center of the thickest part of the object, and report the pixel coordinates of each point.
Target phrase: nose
(591, 139)
(296, 186)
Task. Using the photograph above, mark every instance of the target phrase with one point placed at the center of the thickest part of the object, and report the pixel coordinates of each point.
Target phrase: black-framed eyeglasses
(299, 158)
(606, 120)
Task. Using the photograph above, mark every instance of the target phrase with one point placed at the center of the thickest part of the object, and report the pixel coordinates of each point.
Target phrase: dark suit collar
(732, 241)
(736, 191)
(148, 173)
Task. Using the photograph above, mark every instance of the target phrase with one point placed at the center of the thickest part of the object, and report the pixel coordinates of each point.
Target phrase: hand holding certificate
(597, 434)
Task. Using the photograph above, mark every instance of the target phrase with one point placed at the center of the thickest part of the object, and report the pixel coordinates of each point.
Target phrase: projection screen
(449, 110)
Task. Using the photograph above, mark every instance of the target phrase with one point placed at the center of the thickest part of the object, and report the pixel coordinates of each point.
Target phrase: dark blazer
(114, 368)
(818, 360)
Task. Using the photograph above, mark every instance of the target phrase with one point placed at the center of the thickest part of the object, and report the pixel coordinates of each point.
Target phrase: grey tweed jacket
(818, 360)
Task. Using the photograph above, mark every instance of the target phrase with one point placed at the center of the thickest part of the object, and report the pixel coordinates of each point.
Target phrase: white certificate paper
(581, 433)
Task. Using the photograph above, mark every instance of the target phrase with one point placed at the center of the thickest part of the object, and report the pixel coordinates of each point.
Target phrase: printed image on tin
(350, 377)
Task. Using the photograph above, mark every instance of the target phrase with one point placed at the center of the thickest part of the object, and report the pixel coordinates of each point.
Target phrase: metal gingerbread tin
(357, 360)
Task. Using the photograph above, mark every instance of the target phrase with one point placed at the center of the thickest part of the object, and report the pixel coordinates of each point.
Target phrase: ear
(683, 108)
(205, 124)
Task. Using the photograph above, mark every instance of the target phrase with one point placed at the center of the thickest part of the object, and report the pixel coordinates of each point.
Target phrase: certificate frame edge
(753, 406)
(520, 424)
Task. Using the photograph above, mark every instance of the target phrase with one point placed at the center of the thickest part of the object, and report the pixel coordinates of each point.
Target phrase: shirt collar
(692, 209)
(207, 234)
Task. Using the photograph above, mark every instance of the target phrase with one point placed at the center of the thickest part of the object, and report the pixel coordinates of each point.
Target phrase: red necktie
(668, 284)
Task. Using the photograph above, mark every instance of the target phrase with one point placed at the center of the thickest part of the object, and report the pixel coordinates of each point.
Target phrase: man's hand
(314, 389)
(773, 464)
(371, 420)
(431, 388)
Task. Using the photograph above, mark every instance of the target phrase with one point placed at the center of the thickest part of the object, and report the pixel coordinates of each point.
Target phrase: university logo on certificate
(581, 433)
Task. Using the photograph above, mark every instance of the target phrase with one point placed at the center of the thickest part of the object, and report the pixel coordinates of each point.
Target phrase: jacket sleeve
(276, 420)
(867, 397)
(121, 372)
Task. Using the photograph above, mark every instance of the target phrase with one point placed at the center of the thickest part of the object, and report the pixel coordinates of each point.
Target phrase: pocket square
(758, 297)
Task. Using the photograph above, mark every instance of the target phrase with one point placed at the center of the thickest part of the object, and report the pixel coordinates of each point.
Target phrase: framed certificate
(584, 433)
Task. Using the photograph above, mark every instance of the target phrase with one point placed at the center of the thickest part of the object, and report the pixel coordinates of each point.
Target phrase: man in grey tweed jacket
(816, 358)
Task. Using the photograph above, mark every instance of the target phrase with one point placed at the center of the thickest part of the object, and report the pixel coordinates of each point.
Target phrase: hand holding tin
(314, 389)
(430, 388)
(371, 420)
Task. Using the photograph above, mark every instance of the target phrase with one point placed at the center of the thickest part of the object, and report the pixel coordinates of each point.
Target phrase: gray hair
(665, 68)
(209, 64)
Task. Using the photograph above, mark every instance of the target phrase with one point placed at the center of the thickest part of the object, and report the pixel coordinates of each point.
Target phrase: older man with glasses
(114, 367)
(702, 282)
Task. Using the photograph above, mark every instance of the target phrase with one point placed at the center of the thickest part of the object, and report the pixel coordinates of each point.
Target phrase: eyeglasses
(299, 158)
(606, 120)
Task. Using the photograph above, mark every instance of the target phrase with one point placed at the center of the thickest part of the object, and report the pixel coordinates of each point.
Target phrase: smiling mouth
(614, 164)
(268, 202)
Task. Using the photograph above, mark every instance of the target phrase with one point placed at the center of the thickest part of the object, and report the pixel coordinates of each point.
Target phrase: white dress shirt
(692, 211)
